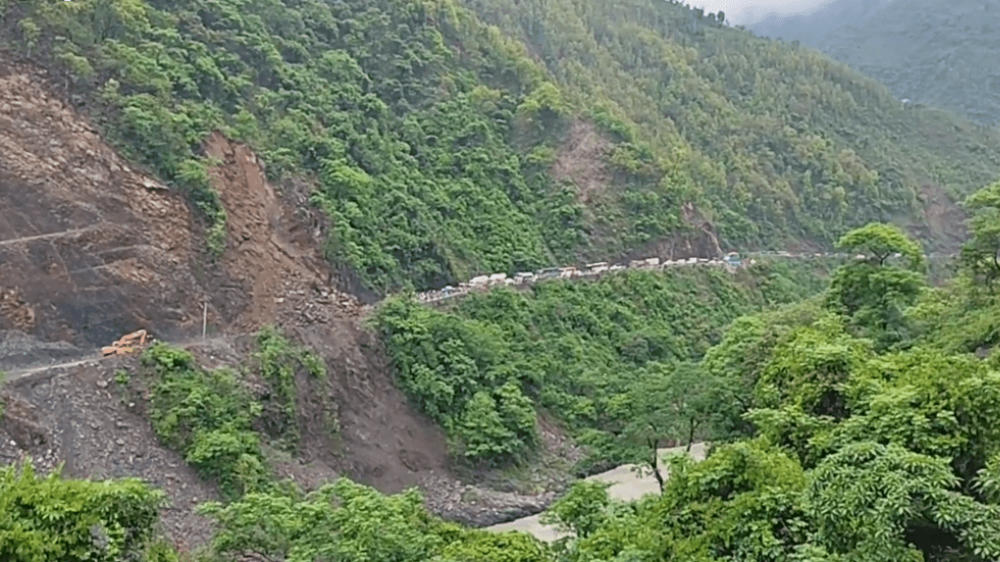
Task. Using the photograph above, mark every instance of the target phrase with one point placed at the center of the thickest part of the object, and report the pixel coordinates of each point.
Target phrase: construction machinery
(128, 344)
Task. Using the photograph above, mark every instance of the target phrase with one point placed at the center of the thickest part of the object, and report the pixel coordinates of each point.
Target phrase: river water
(626, 485)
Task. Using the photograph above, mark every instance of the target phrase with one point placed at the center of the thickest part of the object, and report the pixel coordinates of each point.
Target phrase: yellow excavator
(128, 344)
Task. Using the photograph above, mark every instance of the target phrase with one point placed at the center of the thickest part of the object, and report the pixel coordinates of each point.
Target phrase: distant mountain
(943, 54)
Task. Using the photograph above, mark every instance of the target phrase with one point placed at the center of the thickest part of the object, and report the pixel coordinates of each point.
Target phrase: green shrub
(207, 416)
(210, 416)
(44, 518)
(277, 360)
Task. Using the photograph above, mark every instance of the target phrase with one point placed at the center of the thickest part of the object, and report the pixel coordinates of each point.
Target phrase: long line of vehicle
(731, 261)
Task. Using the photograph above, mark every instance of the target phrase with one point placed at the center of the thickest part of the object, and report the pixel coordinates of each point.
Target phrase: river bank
(625, 485)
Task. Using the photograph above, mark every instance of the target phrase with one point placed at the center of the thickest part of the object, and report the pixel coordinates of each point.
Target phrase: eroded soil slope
(89, 246)
(284, 280)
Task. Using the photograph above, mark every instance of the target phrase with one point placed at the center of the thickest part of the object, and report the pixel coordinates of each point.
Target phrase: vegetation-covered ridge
(448, 139)
(924, 51)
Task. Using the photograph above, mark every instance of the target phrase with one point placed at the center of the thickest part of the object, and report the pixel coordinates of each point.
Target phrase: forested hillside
(451, 138)
(934, 53)
(853, 414)
(778, 140)
(593, 356)
(861, 425)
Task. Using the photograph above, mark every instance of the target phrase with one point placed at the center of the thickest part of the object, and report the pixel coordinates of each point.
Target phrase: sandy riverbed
(626, 485)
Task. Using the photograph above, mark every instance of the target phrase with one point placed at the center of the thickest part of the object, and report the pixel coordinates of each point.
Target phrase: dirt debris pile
(272, 248)
(76, 415)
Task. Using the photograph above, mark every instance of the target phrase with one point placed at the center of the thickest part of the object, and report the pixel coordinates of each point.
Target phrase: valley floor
(624, 484)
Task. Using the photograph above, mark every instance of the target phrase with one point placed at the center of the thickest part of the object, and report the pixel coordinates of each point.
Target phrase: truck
(597, 267)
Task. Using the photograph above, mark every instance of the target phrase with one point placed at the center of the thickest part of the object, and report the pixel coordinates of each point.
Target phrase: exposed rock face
(698, 240)
(89, 246)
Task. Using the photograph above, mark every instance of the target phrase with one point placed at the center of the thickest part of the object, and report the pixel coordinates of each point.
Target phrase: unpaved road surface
(626, 485)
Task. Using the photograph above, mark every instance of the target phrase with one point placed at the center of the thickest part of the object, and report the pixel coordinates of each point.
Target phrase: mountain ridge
(922, 51)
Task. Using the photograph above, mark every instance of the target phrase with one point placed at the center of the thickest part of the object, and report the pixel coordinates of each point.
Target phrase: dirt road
(625, 485)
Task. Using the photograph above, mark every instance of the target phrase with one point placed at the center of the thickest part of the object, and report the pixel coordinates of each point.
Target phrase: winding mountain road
(550, 274)
(496, 280)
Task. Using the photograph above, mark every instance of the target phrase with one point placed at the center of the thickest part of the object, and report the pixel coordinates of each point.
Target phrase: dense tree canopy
(875, 290)
(44, 518)
(838, 449)
(440, 135)
(609, 359)
(981, 255)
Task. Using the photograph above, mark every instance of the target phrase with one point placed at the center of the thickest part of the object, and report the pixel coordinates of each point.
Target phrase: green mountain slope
(777, 139)
(929, 52)
(579, 351)
(442, 147)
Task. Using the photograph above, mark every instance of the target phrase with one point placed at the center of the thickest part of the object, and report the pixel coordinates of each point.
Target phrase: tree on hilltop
(872, 294)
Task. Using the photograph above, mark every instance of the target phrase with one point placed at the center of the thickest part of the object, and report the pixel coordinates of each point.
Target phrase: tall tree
(880, 241)
(671, 403)
(981, 254)
(872, 293)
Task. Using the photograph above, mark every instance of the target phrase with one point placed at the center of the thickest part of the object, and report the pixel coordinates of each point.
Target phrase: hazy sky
(745, 12)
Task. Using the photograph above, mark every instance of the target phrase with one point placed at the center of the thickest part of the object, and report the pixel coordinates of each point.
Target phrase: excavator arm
(128, 344)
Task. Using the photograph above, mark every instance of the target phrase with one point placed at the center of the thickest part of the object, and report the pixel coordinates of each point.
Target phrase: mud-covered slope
(272, 272)
(89, 246)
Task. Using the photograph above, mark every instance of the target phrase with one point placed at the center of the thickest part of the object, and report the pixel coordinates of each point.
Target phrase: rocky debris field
(80, 417)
